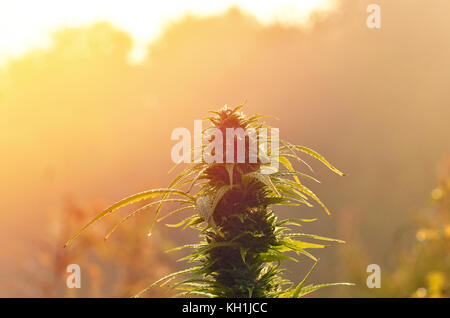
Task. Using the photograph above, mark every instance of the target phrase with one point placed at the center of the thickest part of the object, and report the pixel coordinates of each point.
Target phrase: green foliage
(243, 244)
(423, 270)
(419, 257)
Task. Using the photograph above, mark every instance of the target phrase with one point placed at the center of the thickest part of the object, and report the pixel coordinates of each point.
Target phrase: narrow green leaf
(293, 154)
(145, 207)
(316, 198)
(243, 253)
(175, 212)
(293, 173)
(265, 179)
(300, 285)
(131, 199)
(319, 157)
(311, 288)
(167, 277)
(294, 222)
(219, 195)
(299, 245)
(182, 247)
(317, 237)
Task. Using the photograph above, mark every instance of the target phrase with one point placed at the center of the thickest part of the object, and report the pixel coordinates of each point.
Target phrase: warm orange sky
(25, 24)
(79, 126)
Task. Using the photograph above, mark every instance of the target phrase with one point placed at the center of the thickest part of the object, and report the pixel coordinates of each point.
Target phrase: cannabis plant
(243, 243)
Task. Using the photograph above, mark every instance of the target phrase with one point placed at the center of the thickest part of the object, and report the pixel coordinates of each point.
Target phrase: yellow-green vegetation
(420, 268)
(243, 243)
(425, 270)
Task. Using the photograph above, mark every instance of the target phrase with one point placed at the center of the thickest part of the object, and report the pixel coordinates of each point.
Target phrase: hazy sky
(25, 24)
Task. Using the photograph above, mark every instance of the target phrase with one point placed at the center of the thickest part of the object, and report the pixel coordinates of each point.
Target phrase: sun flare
(29, 24)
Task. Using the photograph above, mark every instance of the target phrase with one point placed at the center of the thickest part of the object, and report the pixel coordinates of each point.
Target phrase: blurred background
(90, 93)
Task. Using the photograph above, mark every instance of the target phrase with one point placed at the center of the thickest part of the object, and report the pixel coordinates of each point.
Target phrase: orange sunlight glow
(29, 24)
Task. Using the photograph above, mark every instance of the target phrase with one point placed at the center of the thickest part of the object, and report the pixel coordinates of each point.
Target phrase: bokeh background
(83, 124)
